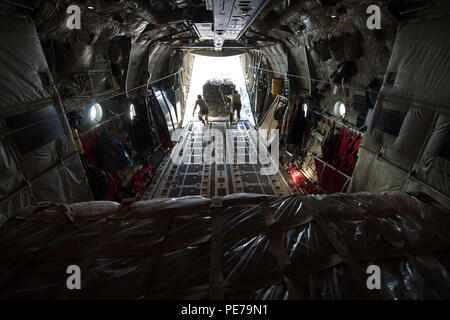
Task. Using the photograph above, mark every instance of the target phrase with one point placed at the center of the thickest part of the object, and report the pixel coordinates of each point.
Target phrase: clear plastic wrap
(242, 246)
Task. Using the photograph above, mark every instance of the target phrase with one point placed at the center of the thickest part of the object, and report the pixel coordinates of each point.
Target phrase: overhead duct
(230, 19)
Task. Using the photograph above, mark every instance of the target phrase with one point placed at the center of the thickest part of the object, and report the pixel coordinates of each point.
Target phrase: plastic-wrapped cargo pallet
(238, 246)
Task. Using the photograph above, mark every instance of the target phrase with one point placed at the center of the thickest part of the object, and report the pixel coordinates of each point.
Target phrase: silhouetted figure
(203, 112)
(235, 106)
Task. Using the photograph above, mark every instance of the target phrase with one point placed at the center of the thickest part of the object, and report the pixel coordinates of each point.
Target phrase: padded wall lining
(412, 160)
(38, 164)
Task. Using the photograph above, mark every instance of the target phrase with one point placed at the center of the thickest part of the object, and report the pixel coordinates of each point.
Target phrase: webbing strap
(117, 250)
(350, 158)
(123, 211)
(389, 237)
(145, 280)
(278, 249)
(216, 269)
(357, 272)
(108, 228)
(428, 226)
(42, 243)
(346, 140)
(341, 141)
(354, 143)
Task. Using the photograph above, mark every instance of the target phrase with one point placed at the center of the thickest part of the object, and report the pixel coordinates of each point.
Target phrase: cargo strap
(109, 226)
(124, 208)
(216, 269)
(351, 162)
(40, 245)
(145, 279)
(390, 238)
(358, 274)
(279, 251)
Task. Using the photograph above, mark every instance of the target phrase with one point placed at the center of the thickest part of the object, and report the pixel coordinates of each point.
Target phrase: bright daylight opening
(217, 69)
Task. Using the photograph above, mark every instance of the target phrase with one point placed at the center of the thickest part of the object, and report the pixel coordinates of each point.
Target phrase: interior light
(96, 112)
(132, 111)
(90, 7)
(305, 109)
(333, 16)
(342, 109)
(93, 112)
(339, 109)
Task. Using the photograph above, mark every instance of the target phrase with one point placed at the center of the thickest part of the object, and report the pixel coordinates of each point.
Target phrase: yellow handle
(76, 139)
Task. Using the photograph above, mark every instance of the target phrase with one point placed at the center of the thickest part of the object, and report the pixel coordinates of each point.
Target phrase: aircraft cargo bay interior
(225, 150)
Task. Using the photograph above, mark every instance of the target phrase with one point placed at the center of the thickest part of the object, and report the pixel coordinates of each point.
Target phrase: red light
(297, 176)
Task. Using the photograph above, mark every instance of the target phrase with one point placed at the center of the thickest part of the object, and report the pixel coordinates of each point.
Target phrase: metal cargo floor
(172, 180)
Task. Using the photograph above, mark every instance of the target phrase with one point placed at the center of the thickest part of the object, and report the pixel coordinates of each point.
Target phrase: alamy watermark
(73, 20)
(374, 20)
(237, 147)
(74, 280)
(374, 280)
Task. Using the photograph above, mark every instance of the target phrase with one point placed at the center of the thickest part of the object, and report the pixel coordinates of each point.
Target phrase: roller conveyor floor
(196, 177)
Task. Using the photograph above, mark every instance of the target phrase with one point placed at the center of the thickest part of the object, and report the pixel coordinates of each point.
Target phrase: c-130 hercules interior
(225, 149)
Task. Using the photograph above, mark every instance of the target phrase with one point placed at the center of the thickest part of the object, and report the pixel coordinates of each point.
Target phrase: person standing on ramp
(203, 112)
(235, 98)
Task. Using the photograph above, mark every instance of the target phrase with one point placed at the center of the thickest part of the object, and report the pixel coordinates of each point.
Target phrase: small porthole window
(305, 109)
(95, 112)
(339, 109)
(132, 111)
